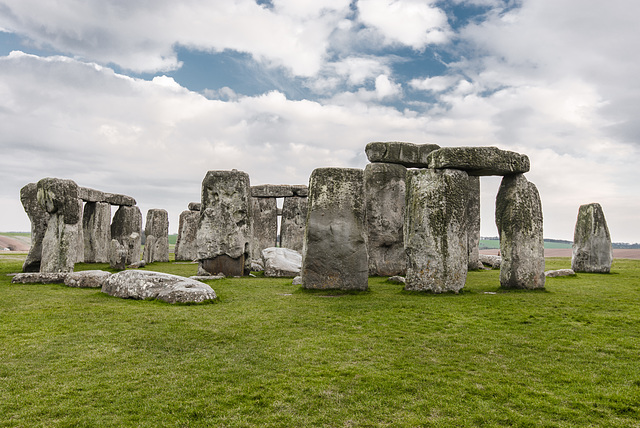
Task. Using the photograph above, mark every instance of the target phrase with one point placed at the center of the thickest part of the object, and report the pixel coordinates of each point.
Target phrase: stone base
(224, 264)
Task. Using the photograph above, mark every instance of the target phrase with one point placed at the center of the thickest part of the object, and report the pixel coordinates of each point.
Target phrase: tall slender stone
(264, 212)
(156, 248)
(126, 227)
(592, 250)
(225, 230)
(293, 222)
(335, 250)
(80, 244)
(186, 245)
(96, 232)
(473, 223)
(435, 230)
(519, 221)
(384, 194)
(39, 218)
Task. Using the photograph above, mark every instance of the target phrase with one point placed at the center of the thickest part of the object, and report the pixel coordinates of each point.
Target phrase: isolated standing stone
(473, 223)
(39, 218)
(335, 250)
(592, 250)
(186, 246)
(225, 230)
(117, 255)
(384, 194)
(435, 230)
(293, 222)
(125, 228)
(96, 231)
(264, 213)
(479, 160)
(156, 248)
(407, 154)
(519, 221)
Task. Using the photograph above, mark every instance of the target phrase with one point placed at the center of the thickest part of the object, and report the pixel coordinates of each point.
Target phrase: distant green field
(495, 244)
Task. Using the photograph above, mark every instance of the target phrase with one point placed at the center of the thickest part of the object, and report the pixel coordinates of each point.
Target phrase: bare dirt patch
(566, 252)
(12, 244)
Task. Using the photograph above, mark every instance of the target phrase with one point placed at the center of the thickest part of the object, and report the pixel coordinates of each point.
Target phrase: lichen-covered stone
(408, 154)
(479, 160)
(519, 221)
(126, 227)
(435, 230)
(264, 213)
(490, 260)
(335, 251)
(60, 244)
(122, 200)
(186, 245)
(473, 223)
(39, 219)
(293, 222)
(156, 248)
(87, 279)
(281, 262)
(59, 196)
(117, 255)
(90, 195)
(301, 190)
(39, 278)
(592, 250)
(225, 230)
(559, 272)
(194, 206)
(271, 191)
(96, 229)
(384, 194)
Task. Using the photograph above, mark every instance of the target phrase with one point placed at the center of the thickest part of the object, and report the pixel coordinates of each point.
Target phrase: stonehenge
(96, 220)
(126, 228)
(156, 230)
(592, 251)
(186, 248)
(39, 219)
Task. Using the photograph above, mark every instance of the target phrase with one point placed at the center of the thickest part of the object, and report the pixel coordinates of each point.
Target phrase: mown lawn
(269, 354)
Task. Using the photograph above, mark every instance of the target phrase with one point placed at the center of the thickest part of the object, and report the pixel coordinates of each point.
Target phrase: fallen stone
(271, 191)
(592, 251)
(293, 222)
(559, 272)
(39, 278)
(490, 260)
(138, 265)
(281, 262)
(186, 247)
(206, 277)
(397, 280)
(257, 265)
(194, 206)
(406, 154)
(264, 212)
(137, 284)
(87, 279)
(479, 160)
(39, 219)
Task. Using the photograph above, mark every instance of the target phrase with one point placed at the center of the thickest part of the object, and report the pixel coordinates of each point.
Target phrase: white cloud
(434, 84)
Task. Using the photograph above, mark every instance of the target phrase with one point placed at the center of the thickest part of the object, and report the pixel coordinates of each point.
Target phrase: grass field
(495, 244)
(270, 354)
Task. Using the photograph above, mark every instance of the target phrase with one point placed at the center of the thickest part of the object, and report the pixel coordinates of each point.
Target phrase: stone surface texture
(86, 279)
(117, 255)
(293, 222)
(407, 154)
(122, 200)
(39, 218)
(519, 221)
(479, 160)
(264, 213)
(156, 230)
(186, 245)
(225, 230)
(559, 272)
(335, 250)
(194, 206)
(384, 195)
(126, 227)
(435, 230)
(490, 260)
(96, 229)
(281, 262)
(473, 223)
(592, 250)
(39, 278)
(271, 191)
(136, 284)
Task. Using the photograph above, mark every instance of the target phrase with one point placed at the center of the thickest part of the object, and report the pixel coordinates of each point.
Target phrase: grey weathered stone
(435, 230)
(264, 212)
(80, 244)
(397, 280)
(156, 230)
(384, 195)
(301, 190)
(86, 279)
(206, 277)
(559, 272)
(194, 206)
(122, 200)
(90, 195)
(335, 250)
(407, 154)
(39, 278)
(225, 230)
(281, 262)
(592, 250)
(271, 191)
(519, 221)
(297, 280)
(473, 223)
(479, 160)
(186, 245)
(117, 255)
(490, 260)
(60, 196)
(39, 219)
(137, 265)
(293, 222)
(125, 228)
(96, 231)
(137, 284)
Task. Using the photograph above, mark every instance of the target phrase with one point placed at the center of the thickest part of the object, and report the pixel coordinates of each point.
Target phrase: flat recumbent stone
(479, 160)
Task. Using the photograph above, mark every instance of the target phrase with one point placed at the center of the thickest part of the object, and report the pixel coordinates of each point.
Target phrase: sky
(143, 98)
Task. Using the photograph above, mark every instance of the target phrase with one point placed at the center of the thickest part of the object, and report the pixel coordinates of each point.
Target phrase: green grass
(486, 244)
(270, 354)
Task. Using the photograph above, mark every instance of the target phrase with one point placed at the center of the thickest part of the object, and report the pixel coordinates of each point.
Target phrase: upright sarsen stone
(39, 218)
(225, 230)
(293, 222)
(519, 221)
(126, 227)
(473, 223)
(186, 245)
(264, 213)
(592, 250)
(335, 250)
(435, 230)
(96, 229)
(156, 248)
(384, 194)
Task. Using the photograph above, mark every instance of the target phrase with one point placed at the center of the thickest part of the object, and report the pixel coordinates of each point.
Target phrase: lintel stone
(479, 160)
(408, 154)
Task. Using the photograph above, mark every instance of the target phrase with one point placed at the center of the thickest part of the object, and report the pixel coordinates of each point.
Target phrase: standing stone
(435, 230)
(335, 246)
(80, 244)
(384, 194)
(473, 223)
(264, 213)
(225, 230)
(186, 246)
(293, 222)
(60, 243)
(117, 255)
(592, 250)
(156, 248)
(39, 218)
(96, 232)
(519, 221)
(125, 228)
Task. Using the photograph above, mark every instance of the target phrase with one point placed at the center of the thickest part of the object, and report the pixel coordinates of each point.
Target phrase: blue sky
(143, 98)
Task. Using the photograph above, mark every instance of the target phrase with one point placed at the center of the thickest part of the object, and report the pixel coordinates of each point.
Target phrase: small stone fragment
(559, 272)
(397, 280)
